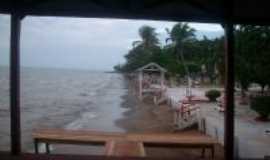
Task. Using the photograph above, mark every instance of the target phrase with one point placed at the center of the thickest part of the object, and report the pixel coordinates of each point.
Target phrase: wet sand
(144, 116)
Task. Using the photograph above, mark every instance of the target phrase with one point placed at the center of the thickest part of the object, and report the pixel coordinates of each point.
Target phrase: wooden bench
(123, 144)
(54, 136)
(175, 140)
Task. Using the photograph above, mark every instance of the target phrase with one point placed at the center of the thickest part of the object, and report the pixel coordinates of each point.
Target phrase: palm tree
(148, 36)
(180, 34)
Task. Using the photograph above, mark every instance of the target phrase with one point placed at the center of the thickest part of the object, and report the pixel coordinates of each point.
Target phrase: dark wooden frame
(16, 18)
(229, 82)
(15, 125)
(229, 94)
(28, 156)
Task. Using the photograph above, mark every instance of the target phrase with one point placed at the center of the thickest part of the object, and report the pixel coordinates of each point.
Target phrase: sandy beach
(144, 116)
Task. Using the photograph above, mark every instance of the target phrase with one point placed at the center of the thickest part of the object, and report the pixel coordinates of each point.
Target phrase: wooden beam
(135, 5)
(15, 127)
(157, 4)
(193, 3)
(34, 4)
(229, 81)
(229, 93)
(201, 6)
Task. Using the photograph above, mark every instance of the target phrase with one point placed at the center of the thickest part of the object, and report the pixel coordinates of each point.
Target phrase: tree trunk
(262, 91)
(243, 92)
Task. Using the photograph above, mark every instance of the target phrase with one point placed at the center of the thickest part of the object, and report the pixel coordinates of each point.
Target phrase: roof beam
(193, 3)
(159, 3)
(135, 5)
(34, 3)
(200, 6)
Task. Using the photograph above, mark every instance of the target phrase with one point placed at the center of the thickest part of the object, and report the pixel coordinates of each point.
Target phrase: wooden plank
(141, 149)
(125, 148)
(74, 132)
(109, 148)
(75, 136)
(172, 138)
(62, 136)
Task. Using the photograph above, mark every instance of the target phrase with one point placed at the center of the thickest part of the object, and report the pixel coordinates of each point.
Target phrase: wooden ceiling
(210, 11)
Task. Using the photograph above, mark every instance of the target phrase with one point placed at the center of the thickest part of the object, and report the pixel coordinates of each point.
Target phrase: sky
(82, 43)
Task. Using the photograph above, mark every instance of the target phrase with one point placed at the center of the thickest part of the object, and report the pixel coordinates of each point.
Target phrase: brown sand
(146, 117)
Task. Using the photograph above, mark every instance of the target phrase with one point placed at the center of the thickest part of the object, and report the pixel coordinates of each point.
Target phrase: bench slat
(164, 138)
(95, 136)
(75, 136)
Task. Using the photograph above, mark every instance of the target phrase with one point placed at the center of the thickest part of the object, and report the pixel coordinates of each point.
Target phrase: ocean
(62, 98)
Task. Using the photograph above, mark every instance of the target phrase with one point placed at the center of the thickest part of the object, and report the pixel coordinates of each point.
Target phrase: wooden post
(36, 143)
(47, 148)
(15, 127)
(140, 84)
(162, 79)
(229, 92)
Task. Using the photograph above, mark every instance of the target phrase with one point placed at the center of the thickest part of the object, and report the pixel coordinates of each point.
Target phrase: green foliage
(143, 52)
(261, 105)
(252, 55)
(213, 94)
(182, 54)
(149, 36)
(180, 33)
(185, 54)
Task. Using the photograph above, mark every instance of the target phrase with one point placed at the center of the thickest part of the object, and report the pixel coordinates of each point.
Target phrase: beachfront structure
(151, 79)
(225, 12)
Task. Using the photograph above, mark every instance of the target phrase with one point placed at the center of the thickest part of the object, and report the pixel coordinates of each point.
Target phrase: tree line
(184, 54)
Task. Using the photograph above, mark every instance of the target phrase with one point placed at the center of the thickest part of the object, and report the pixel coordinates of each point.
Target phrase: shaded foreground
(6, 156)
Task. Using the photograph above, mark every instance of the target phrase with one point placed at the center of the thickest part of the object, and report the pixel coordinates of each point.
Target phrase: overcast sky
(83, 43)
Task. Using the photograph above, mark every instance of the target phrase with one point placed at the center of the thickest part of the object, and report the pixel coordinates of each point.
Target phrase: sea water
(62, 98)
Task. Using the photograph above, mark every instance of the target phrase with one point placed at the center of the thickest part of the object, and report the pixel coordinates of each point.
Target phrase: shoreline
(143, 116)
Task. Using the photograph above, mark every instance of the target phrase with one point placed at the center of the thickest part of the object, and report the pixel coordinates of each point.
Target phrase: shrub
(213, 94)
(261, 105)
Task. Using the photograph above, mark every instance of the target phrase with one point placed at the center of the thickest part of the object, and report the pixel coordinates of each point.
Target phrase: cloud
(206, 27)
(88, 43)
(4, 39)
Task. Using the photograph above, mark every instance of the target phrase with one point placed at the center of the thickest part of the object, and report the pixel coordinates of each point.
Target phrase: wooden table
(123, 144)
